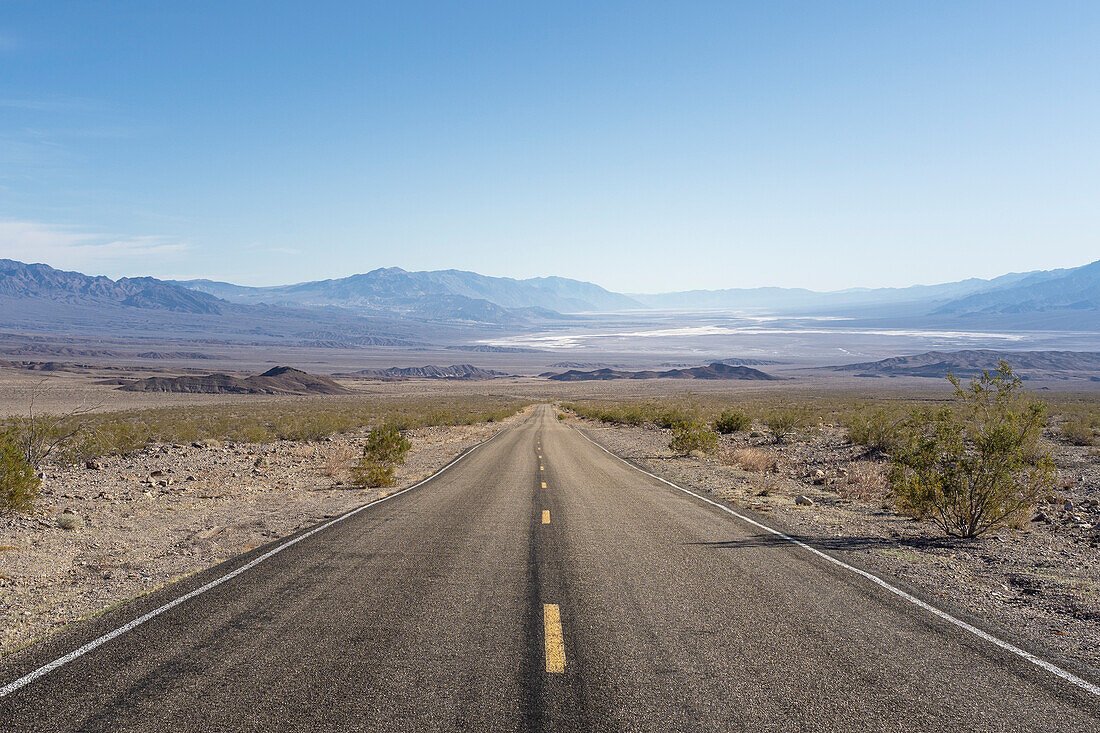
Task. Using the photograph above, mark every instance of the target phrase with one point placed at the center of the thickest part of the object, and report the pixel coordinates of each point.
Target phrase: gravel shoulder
(1038, 584)
(168, 511)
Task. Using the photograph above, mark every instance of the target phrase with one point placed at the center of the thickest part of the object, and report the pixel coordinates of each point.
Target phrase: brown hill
(968, 363)
(277, 381)
(717, 370)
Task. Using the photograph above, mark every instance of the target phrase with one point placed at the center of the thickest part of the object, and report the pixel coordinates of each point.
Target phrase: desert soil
(1038, 584)
(168, 511)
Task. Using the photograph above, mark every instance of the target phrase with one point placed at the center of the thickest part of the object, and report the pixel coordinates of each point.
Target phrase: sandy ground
(1039, 584)
(171, 510)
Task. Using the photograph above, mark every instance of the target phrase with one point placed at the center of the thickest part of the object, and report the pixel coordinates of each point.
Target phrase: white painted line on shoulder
(100, 641)
(1053, 669)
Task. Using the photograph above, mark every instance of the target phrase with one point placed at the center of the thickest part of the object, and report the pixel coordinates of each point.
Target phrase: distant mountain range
(394, 307)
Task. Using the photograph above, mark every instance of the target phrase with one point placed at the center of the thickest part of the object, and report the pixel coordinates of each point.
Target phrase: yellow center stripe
(544, 484)
(555, 643)
(546, 516)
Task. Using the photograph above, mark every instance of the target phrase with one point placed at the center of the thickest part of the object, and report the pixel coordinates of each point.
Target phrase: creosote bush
(384, 450)
(1079, 431)
(18, 481)
(693, 435)
(784, 422)
(978, 464)
(732, 421)
(879, 430)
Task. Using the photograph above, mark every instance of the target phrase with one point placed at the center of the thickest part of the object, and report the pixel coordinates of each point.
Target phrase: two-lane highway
(537, 584)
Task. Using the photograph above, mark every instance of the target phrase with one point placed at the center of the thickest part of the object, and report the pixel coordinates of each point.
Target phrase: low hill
(968, 363)
(717, 370)
(455, 371)
(277, 381)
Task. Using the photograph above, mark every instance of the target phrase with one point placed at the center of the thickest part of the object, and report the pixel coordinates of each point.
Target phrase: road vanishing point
(538, 583)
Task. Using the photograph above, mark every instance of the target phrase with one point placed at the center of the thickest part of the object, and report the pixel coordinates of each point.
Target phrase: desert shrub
(370, 473)
(732, 421)
(1078, 431)
(384, 450)
(694, 435)
(879, 430)
(18, 481)
(783, 422)
(978, 464)
(757, 460)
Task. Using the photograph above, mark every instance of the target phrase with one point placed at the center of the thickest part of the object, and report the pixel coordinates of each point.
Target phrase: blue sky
(644, 146)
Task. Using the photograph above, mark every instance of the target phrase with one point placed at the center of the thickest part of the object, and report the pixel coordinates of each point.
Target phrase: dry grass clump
(338, 462)
(866, 481)
(756, 460)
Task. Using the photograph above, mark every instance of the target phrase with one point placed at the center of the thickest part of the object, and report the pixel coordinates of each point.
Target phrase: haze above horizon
(646, 147)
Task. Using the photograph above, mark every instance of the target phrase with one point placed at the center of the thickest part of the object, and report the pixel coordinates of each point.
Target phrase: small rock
(819, 476)
(69, 520)
(1040, 517)
(1068, 506)
(156, 474)
(93, 465)
(803, 500)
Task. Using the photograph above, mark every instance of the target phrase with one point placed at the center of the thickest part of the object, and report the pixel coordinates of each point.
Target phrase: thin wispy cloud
(72, 247)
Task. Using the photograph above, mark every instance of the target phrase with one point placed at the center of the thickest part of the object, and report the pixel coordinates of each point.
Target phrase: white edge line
(81, 651)
(1065, 675)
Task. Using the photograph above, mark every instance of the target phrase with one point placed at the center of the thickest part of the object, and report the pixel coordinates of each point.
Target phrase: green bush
(18, 482)
(785, 421)
(878, 430)
(384, 450)
(693, 435)
(977, 465)
(1077, 431)
(370, 473)
(732, 421)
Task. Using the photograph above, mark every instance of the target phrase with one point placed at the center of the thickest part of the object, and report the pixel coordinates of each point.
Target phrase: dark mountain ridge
(972, 362)
(277, 381)
(716, 370)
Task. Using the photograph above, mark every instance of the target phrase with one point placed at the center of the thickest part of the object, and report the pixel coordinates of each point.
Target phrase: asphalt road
(462, 605)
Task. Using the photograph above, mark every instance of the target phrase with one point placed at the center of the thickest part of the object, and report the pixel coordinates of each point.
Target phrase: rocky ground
(1038, 583)
(123, 526)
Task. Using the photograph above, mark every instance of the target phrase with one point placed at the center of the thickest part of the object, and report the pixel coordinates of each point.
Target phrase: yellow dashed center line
(544, 484)
(542, 468)
(555, 643)
(546, 516)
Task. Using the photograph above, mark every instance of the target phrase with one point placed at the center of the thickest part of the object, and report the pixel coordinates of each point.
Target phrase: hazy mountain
(1062, 299)
(1076, 291)
(800, 299)
(431, 292)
